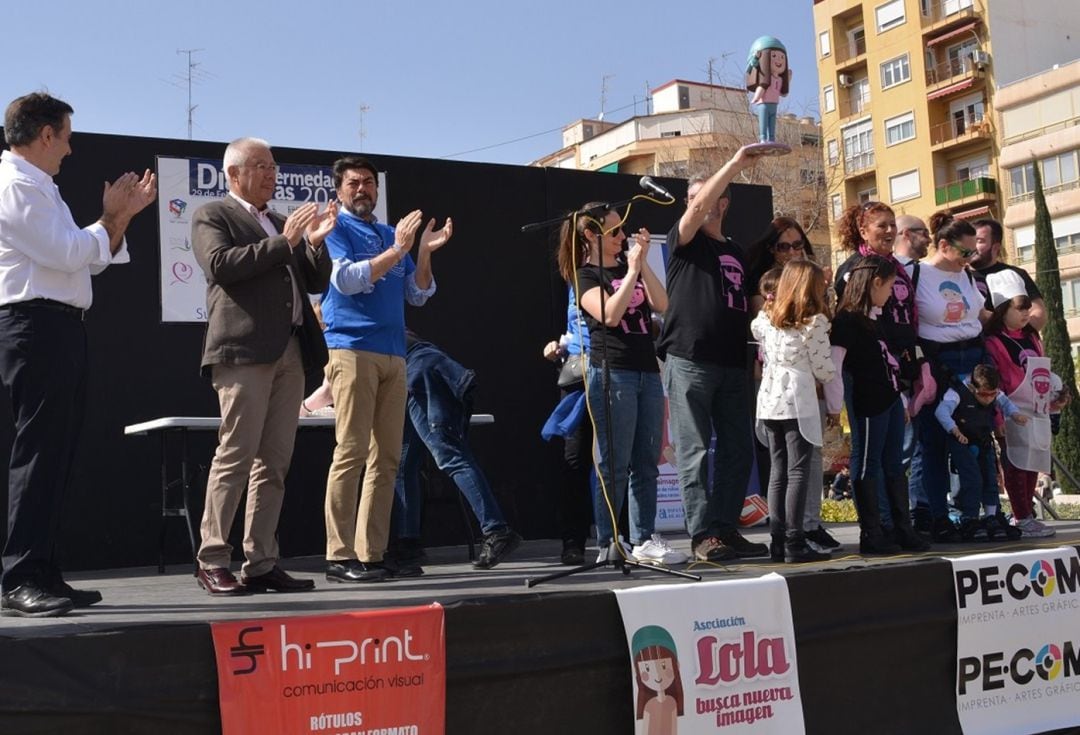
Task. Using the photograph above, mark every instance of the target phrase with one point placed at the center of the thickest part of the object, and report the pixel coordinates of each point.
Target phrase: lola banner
(1018, 643)
(713, 658)
(358, 673)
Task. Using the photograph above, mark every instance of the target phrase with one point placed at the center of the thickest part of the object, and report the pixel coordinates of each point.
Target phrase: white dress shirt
(43, 253)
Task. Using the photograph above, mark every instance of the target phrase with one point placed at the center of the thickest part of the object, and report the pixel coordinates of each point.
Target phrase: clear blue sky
(440, 78)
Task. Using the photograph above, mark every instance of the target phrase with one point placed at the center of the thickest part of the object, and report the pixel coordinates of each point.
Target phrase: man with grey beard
(373, 276)
(912, 239)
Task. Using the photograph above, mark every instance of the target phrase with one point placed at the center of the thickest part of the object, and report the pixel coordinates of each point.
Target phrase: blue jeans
(444, 436)
(977, 467)
(703, 398)
(637, 416)
(880, 452)
(766, 113)
(929, 468)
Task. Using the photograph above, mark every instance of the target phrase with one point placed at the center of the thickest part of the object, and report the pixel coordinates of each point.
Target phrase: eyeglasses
(615, 232)
(783, 247)
(918, 231)
(263, 167)
(992, 393)
(964, 252)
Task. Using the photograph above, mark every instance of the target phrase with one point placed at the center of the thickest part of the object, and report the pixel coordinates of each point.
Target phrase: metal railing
(971, 124)
(950, 70)
(981, 187)
(952, 10)
(849, 50)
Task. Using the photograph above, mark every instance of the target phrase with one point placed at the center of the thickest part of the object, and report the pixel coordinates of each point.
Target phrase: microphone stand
(614, 558)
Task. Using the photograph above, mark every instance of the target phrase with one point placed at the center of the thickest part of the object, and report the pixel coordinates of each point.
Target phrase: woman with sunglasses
(782, 242)
(951, 314)
(617, 300)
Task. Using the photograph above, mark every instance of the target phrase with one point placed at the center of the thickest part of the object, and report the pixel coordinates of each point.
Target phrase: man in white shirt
(46, 262)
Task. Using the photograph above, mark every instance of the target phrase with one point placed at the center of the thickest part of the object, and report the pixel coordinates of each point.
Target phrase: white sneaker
(607, 549)
(658, 551)
(1032, 528)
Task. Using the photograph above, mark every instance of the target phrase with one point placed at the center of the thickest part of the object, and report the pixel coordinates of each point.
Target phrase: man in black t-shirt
(988, 234)
(706, 375)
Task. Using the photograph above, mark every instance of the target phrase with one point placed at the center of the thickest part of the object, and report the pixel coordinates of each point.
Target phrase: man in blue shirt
(364, 311)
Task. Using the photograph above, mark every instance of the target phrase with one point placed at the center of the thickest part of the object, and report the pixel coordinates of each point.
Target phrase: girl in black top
(860, 349)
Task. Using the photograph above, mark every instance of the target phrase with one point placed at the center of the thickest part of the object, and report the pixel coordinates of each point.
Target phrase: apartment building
(1039, 122)
(907, 95)
(697, 126)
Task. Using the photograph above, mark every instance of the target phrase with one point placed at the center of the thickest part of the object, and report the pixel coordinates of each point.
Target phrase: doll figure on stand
(768, 77)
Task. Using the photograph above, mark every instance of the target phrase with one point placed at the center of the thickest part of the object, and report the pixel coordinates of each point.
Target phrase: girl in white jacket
(794, 339)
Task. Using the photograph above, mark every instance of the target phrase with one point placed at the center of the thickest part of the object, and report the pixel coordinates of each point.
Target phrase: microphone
(648, 184)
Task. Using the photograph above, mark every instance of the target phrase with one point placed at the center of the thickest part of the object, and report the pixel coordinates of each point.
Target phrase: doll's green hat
(761, 44)
(651, 635)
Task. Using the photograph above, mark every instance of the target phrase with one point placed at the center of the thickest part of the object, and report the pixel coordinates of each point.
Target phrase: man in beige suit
(261, 337)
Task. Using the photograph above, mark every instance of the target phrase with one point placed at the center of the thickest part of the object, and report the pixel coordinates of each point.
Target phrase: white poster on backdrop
(184, 185)
(1017, 642)
(713, 657)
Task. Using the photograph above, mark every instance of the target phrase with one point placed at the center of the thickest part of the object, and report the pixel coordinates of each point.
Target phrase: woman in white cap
(1017, 352)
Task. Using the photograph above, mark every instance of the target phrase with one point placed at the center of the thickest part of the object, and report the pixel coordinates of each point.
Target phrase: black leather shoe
(276, 580)
(80, 598)
(30, 601)
(351, 570)
(220, 582)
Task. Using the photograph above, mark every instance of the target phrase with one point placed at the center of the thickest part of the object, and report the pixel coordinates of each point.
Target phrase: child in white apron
(1017, 352)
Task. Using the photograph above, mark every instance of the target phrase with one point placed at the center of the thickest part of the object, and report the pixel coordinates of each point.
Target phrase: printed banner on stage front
(184, 185)
(355, 673)
(716, 658)
(1018, 644)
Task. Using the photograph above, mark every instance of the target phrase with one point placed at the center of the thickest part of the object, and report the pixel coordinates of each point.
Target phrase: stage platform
(876, 642)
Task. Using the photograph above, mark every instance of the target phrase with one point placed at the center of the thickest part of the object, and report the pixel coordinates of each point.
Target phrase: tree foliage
(1055, 334)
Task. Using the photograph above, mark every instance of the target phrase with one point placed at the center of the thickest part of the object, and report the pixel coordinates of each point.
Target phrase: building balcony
(946, 15)
(949, 72)
(850, 55)
(960, 131)
(853, 107)
(859, 165)
(982, 190)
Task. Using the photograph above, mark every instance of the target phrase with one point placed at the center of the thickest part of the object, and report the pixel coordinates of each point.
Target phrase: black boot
(872, 539)
(897, 490)
(776, 548)
(796, 550)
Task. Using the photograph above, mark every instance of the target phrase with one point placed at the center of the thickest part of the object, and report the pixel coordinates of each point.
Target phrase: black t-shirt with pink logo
(897, 318)
(708, 305)
(629, 345)
(874, 370)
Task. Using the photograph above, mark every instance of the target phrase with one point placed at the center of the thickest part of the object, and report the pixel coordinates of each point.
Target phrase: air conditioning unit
(980, 58)
(846, 80)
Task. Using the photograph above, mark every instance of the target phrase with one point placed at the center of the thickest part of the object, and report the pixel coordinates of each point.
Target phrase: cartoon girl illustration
(768, 77)
(1042, 383)
(956, 306)
(732, 286)
(900, 310)
(659, 685)
(633, 321)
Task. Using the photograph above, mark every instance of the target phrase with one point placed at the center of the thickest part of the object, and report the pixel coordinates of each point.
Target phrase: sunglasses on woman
(964, 252)
(783, 247)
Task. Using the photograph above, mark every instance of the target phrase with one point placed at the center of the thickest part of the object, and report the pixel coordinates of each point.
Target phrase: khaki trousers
(259, 409)
(369, 405)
